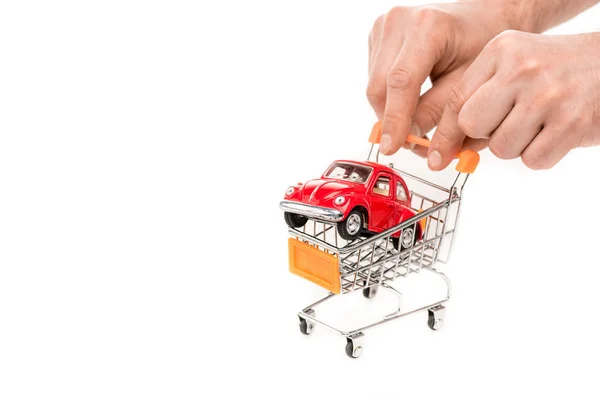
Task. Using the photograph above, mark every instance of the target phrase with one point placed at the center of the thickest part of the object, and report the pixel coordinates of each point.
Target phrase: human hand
(407, 45)
(532, 96)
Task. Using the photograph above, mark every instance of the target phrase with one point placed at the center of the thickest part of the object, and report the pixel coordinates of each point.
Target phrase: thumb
(432, 103)
(429, 111)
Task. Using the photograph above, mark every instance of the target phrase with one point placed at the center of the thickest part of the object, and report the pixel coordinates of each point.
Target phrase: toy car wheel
(408, 238)
(294, 220)
(351, 227)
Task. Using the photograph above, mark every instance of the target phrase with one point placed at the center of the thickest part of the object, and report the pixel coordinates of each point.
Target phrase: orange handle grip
(467, 159)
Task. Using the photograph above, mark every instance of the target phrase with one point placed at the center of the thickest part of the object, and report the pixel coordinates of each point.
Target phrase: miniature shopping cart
(368, 264)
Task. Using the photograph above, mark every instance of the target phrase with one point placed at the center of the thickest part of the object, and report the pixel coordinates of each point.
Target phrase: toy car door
(383, 205)
(402, 196)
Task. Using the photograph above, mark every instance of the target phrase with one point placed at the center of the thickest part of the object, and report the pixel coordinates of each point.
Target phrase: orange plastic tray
(314, 265)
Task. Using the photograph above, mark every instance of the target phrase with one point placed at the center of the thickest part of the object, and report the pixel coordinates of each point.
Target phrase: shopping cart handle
(467, 159)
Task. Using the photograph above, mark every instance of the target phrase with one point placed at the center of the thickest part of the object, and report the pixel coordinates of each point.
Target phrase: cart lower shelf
(355, 337)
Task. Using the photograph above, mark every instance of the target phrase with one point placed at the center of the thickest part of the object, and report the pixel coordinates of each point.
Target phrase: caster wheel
(354, 345)
(307, 327)
(351, 351)
(370, 292)
(435, 318)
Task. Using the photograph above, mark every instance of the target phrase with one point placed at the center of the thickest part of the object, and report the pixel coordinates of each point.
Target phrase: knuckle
(499, 147)
(534, 160)
(375, 90)
(443, 138)
(433, 24)
(427, 15)
(506, 41)
(574, 116)
(392, 120)
(467, 125)
(400, 78)
(395, 13)
(431, 110)
(456, 100)
(550, 95)
(570, 121)
(523, 66)
(392, 19)
(530, 65)
(376, 29)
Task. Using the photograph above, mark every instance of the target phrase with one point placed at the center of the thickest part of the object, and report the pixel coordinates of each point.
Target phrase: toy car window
(401, 193)
(349, 172)
(382, 186)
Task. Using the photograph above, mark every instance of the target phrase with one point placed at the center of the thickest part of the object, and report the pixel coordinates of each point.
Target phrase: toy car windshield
(348, 172)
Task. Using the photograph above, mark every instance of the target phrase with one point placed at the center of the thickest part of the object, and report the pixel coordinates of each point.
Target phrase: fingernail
(434, 159)
(415, 130)
(386, 143)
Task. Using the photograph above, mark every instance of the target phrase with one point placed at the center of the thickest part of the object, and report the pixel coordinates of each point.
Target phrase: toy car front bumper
(314, 212)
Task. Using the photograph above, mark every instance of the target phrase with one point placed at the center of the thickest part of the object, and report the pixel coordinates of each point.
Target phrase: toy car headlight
(290, 191)
(339, 200)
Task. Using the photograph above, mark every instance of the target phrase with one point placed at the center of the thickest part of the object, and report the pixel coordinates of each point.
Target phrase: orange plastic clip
(375, 137)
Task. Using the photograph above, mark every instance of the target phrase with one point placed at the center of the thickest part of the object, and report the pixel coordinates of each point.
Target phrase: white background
(144, 149)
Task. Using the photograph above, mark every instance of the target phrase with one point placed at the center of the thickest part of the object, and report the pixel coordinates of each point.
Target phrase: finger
(385, 51)
(371, 50)
(474, 144)
(375, 41)
(431, 104)
(485, 110)
(411, 68)
(430, 108)
(420, 150)
(517, 131)
(469, 144)
(549, 147)
(429, 112)
(448, 137)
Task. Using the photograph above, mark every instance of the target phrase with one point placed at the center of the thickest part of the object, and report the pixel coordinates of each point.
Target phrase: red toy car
(362, 198)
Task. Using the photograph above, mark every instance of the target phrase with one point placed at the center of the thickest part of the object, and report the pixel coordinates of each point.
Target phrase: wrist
(591, 42)
(513, 14)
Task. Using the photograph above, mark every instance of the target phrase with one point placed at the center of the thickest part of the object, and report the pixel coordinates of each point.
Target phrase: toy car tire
(400, 246)
(294, 220)
(351, 227)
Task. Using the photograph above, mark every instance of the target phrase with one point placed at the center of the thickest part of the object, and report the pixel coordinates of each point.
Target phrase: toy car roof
(376, 166)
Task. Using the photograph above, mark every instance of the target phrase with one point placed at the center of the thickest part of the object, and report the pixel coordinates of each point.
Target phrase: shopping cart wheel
(370, 292)
(354, 345)
(436, 317)
(307, 327)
